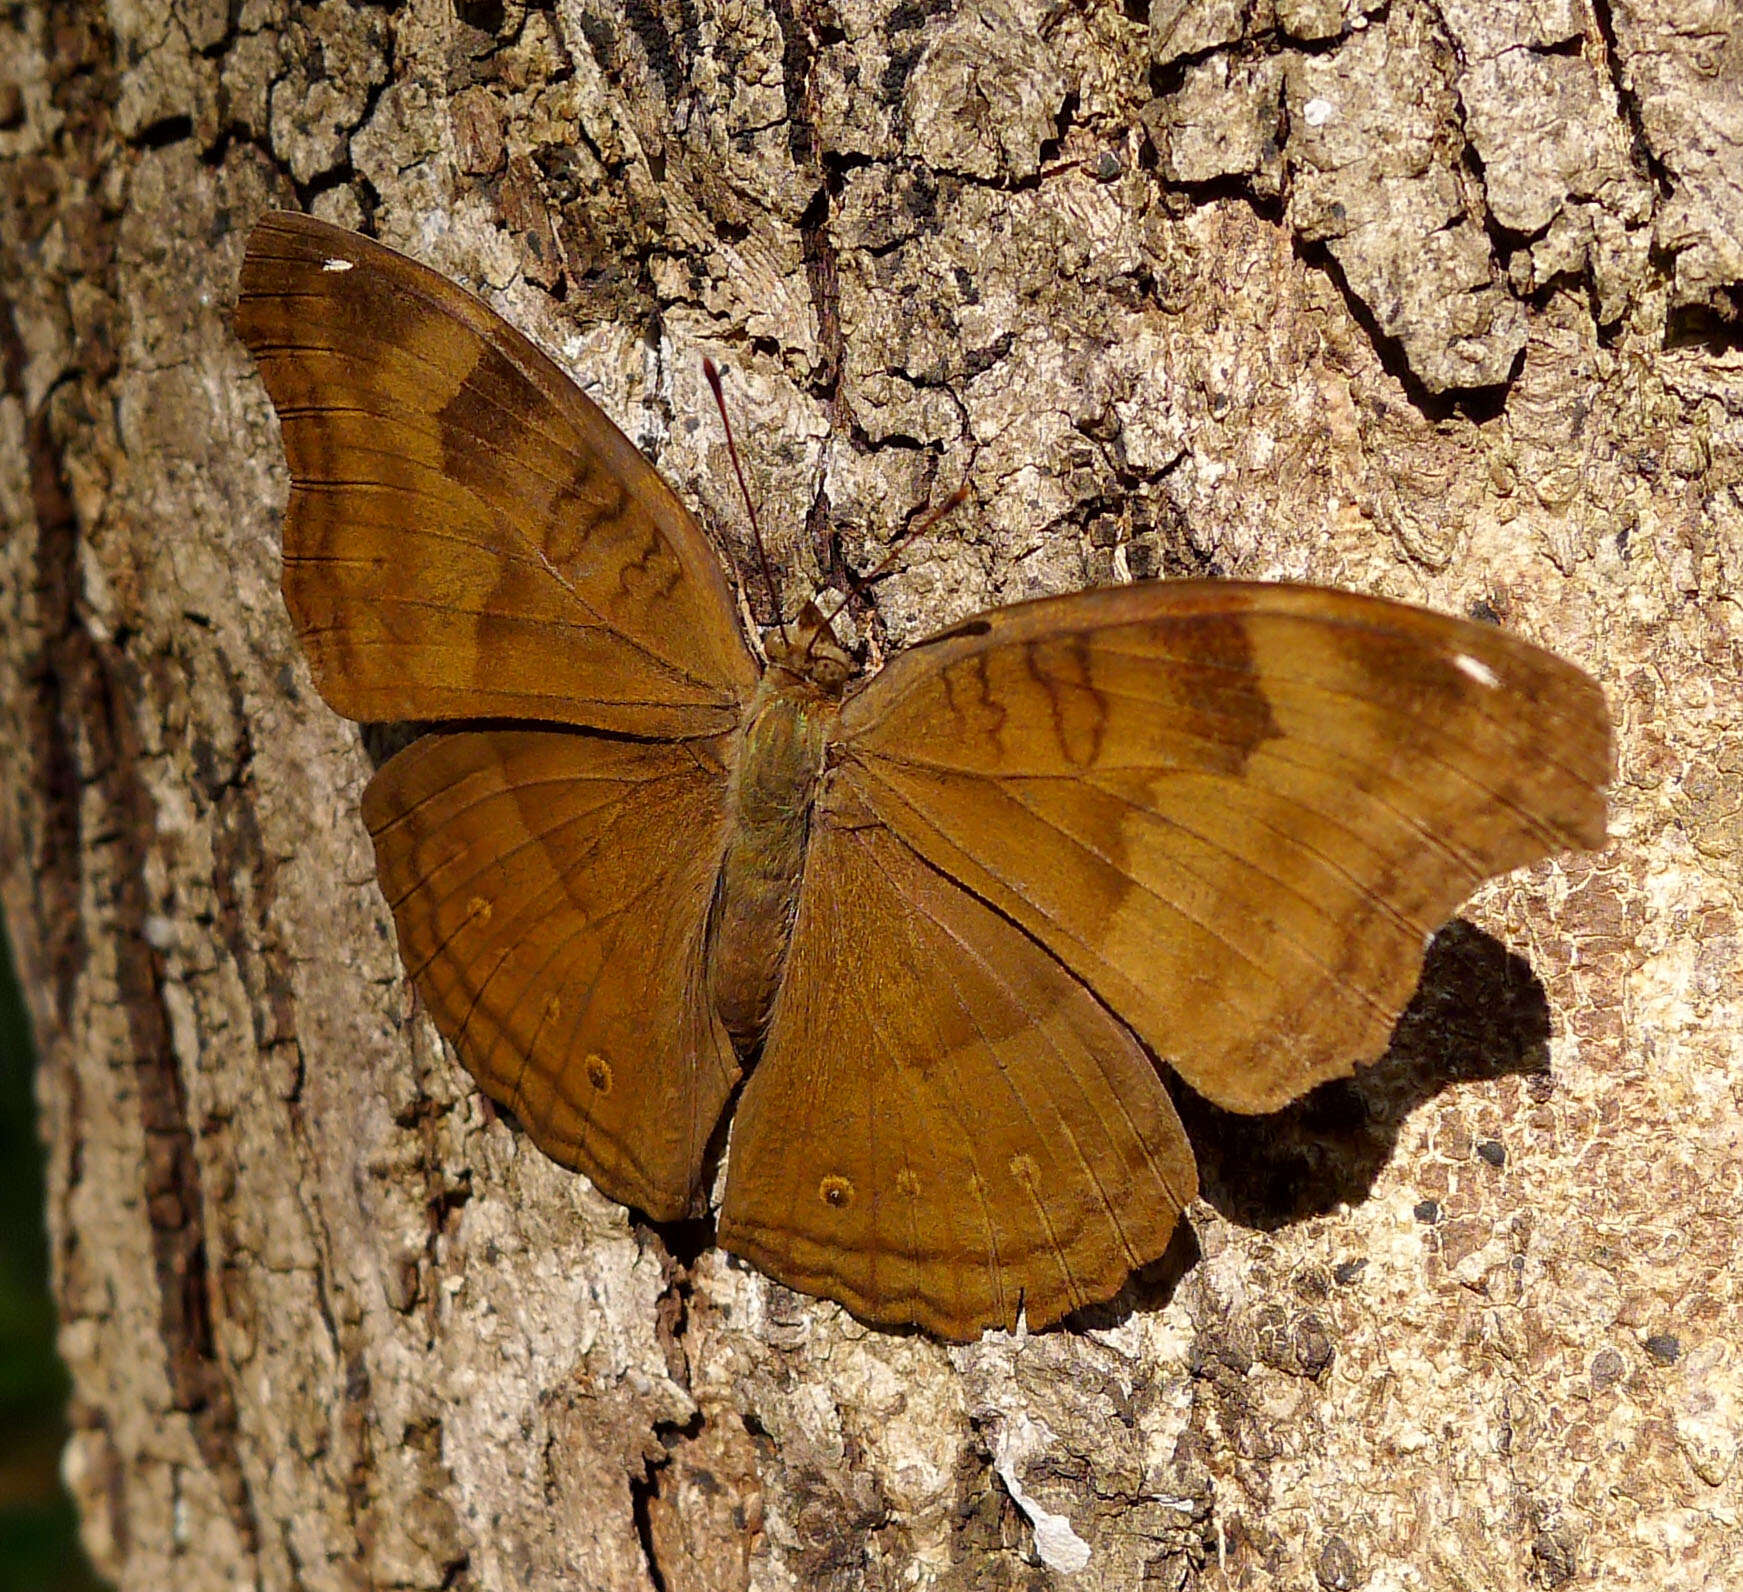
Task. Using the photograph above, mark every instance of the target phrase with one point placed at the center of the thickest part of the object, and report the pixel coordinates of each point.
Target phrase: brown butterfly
(951, 912)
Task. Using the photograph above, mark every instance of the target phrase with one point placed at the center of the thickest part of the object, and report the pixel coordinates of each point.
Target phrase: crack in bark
(1663, 183)
(641, 1494)
(57, 871)
(800, 26)
(83, 693)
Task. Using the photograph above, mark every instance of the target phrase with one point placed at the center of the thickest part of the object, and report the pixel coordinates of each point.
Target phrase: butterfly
(925, 934)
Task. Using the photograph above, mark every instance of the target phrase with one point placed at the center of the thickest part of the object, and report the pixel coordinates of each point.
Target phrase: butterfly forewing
(468, 536)
(945, 1126)
(1236, 811)
(551, 891)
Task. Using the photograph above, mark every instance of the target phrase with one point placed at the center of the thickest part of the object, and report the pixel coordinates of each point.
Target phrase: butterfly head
(807, 649)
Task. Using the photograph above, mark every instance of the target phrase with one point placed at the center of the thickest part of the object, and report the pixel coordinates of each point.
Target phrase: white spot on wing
(336, 264)
(1476, 669)
(1317, 112)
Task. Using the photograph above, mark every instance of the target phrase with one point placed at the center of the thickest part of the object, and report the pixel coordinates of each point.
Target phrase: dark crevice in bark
(1714, 323)
(657, 44)
(343, 172)
(822, 273)
(100, 823)
(1239, 189)
(657, 1489)
(58, 868)
(1505, 242)
(100, 686)
(1166, 78)
(800, 32)
(1702, 326)
(1663, 183)
(804, 27)
(164, 132)
(107, 688)
(825, 543)
(220, 47)
(1475, 404)
(1064, 119)
(487, 16)
(641, 1496)
(798, 55)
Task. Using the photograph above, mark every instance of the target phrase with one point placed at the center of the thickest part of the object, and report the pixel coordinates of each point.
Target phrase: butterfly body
(956, 913)
(778, 763)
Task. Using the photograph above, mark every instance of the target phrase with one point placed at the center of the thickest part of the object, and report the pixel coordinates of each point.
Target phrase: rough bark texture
(1433, 298)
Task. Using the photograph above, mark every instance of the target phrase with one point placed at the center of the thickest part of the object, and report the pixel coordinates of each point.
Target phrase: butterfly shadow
(1479, 1012)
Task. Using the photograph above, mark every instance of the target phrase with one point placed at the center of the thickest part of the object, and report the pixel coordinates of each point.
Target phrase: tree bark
(1430, 300)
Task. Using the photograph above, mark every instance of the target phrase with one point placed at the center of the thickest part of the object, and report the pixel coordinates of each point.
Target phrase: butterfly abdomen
(773, 789)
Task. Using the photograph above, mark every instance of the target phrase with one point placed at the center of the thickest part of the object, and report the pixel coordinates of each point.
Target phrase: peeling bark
(1433, 300)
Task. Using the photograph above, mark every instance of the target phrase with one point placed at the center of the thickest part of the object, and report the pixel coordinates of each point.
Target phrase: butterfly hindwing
(551, 891)
(468, 536)
(945, 1126)
(1236, 811)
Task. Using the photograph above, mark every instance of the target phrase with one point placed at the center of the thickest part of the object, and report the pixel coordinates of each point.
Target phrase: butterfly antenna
(713, 375)
(899, 546)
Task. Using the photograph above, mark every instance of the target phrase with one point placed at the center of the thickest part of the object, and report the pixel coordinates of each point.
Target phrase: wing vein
(1038, 1027)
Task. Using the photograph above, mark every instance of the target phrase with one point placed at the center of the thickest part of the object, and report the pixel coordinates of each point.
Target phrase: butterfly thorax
(775, 776)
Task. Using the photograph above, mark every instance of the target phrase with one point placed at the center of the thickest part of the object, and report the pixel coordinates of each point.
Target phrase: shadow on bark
(1479, 1012)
